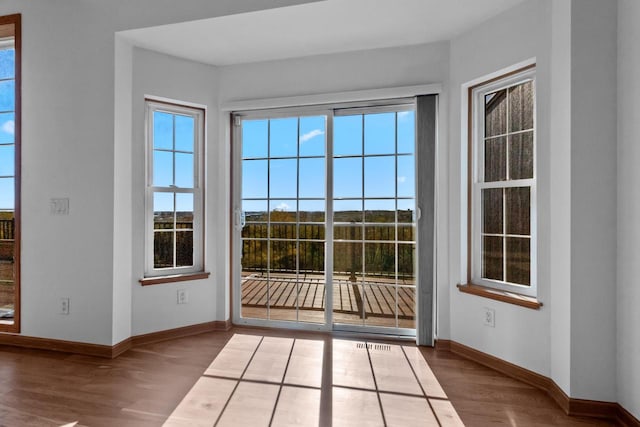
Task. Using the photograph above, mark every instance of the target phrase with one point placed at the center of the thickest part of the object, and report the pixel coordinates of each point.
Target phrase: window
(174, 190)
(10, 54)
(502, 183)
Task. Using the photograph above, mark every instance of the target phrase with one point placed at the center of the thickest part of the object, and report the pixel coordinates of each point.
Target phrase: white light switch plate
(59, 206)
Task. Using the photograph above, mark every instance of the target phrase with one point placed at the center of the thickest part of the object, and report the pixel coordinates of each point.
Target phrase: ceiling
(322, 27)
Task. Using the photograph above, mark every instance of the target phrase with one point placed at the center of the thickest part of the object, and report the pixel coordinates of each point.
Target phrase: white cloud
(282, 207)
(309, 135)
(402, 179)
(9, 127)
(402, 115)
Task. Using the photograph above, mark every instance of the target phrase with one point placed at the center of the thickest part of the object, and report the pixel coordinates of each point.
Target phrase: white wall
(628, 253)
(154, 308)
(593, 199)
(521, 335)
(68, 150)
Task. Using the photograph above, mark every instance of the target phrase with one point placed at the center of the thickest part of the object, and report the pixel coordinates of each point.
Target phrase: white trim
(153, 104)
(331, 98)
(478, 183)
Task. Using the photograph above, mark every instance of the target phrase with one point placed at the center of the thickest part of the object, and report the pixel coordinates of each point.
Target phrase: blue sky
(7, 125)
(173, 141)
(380, 176)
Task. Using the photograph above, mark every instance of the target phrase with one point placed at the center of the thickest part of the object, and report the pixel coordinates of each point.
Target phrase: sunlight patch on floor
(271, 381)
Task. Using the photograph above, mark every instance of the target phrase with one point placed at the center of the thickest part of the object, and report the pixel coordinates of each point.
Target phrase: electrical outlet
(182, 296)
(64, 305)
(489, 317)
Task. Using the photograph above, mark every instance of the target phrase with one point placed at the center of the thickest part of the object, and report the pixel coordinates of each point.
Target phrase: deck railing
(7, 229)
(283, 255)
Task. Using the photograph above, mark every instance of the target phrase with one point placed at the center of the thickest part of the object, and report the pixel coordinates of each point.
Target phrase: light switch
(59, 206)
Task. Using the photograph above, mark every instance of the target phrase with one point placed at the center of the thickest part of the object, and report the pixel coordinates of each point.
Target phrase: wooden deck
(378, 297)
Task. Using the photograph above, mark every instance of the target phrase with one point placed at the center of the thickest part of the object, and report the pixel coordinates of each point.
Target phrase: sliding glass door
(325, 219)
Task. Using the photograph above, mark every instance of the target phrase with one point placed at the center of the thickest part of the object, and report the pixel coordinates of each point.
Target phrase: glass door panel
(283, 234)
(374, 220)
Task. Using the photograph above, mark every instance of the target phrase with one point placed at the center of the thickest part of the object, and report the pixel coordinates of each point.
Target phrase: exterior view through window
(504, 190)
(329, 199)
(9, 176)
(174, 189)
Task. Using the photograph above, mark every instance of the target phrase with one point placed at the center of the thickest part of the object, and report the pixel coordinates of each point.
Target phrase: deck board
(379, 296)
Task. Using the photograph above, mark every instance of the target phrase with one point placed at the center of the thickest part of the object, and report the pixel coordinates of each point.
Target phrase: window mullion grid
(298, 221)
(504, 194)
(395, 216)
(268, 302)
(362, 227)
(328, 233)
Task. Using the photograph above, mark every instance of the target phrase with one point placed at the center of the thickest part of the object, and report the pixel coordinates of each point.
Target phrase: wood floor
(145, 385)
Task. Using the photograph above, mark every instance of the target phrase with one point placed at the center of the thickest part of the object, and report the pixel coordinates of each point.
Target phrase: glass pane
(380, 305)
(7, 63)
(406, 131)
(495, 113)
(406, 307)
(311, 295)
(347, 232)
(347, 177)
(283, 256)
(380, 176)
(283, 178)
(312, 178)
(7, 199)
(184, 170)
(163, 211)
(162, 168)
(7, 160)
(348, 303)
(254, 255)
(163, 249)
(7, 265)
(380, 260)
(521, 107)
(492, 258)
(284, 137)
(311, 257)
(492, 210)
(380, 232)
(347, 259)
(518, 261)
(347, 135)
(521, 156)
(283, 219)
(406, 176)
(311, 231)
(7, 95)
(406, 264)
(311, 210)
(380, 133)
(184, 210)
(7, 127)
(184, 248)
(185, 133)
(255, 231)
(162, 130)
(255, 138)
(518, 210)
(406, 233)
(254, 179)
(495, 159)
(406, 210)
(380, 211)
(255, 210)
(312, 136)
(254, 292)
(347, 211)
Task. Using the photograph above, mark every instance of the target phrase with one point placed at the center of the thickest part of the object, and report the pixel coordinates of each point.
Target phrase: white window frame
(198, 113)
(478, 184)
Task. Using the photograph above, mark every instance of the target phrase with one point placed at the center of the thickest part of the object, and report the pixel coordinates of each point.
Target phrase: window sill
(500, 295)
(158, 280)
